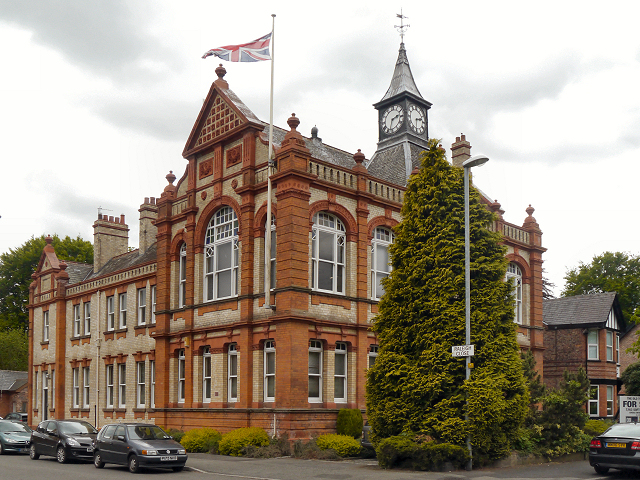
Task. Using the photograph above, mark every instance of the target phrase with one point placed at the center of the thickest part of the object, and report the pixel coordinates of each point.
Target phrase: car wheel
(97, 460)
(601, 470)
(61, 455)
(178, 469)
(33, 455)
(134, 467)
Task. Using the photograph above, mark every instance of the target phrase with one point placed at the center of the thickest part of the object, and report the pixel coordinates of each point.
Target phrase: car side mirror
(120, 437)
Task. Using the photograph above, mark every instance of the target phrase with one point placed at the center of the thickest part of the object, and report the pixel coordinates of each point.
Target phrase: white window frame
(232, 373)
(332, 229)
(122, 313)
(141, 385)
(152, 379)
(122, 385)
(53, 389)
(75, 375)
(269, 374)
(142, 306)
(77, 319)
(45, 390)
(154, 299)
(315, 371)
(222, 233)
(373, 355)
(182, 387)
(594, 402)
(206, 375)
(110, 387)
(514, 275)
(87, 318)
(341, 349)
(182, 276)
(382, 238)
(86, 386)
(609, 345)
(610, 401)
(591, 346)
(111, 313)
(45, 326)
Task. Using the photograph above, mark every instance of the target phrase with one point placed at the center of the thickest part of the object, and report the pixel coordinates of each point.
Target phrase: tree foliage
(415, 386)
(609, 272)
(16, 267)
(631, 379)
(14, 347)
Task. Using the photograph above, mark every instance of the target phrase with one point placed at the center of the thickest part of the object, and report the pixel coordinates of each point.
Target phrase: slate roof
(395, 163)
(402, 79)
(581, 310)
(11, 380)
(78, 271)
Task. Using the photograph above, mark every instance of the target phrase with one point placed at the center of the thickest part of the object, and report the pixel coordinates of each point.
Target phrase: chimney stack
(148, 231)
(110, 239)
(460, 151)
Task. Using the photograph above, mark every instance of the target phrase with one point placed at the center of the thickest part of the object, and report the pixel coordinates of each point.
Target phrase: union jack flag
(247, 52)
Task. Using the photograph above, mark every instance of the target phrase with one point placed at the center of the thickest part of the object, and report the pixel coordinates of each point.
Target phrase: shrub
(175, 434)
(278, 447)
(349, 422)
(404, 452)
(201, 440)
(595, 427)
(233, 442)
(311, 451)
(343, 445)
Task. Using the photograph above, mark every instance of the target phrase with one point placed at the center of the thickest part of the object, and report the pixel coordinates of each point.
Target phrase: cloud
(107, 37)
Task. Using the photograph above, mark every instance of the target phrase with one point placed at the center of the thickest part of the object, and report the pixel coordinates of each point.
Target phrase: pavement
(287, 468)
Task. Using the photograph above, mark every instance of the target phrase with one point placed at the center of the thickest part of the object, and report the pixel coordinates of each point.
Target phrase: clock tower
(403, 126)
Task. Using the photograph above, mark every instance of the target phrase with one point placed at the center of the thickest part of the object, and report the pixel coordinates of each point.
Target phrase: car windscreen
(623, 430)
(14, 427)
(146, 432)
(76, 428)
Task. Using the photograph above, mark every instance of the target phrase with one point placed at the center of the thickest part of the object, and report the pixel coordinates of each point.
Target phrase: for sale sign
(629, 408)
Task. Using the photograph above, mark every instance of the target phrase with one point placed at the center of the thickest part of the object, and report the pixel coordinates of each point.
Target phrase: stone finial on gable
(293, 137)
(359, 158)
(220, 81)
(169, 190)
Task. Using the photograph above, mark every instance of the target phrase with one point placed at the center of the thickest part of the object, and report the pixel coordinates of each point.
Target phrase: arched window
(380, 267)
(514, 275)
(221, 256)
(182, 272)
(328, 253)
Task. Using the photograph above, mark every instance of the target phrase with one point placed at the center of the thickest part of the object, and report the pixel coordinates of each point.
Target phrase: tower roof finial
(402, 27)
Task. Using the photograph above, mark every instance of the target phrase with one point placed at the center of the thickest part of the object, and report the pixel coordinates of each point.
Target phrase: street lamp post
(474, 161)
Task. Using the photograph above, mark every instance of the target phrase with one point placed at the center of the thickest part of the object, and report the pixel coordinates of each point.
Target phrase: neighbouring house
(584, 331)
(14, 392)
(177, 331)
(627, 339)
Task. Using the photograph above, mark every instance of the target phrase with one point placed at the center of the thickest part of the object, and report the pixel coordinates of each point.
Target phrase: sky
(97, 100)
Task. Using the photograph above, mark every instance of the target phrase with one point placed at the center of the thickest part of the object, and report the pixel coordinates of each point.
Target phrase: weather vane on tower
(402, 27)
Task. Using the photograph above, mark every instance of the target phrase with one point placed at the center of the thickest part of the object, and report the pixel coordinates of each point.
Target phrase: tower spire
(402, 27)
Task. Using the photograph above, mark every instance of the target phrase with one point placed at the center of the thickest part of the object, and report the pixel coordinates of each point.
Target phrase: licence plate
(24, 450)
(615, 445)
(171, 458)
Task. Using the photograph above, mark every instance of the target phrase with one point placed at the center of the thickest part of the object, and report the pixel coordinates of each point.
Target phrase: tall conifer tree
(415, 384)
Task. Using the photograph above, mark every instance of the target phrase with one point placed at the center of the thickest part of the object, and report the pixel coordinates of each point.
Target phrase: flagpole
(270, 164)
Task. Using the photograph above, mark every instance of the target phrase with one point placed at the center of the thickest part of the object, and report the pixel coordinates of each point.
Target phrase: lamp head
(475, 161)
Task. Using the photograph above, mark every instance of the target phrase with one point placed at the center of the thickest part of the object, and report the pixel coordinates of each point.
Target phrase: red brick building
(584, 331)
(13, 392)
(177, 332)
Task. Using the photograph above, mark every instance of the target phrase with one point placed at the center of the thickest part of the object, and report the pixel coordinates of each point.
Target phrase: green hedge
(233, 442)
(402, 451)
(343, 445)
(201, 440)
(349, 422)
(595, 427)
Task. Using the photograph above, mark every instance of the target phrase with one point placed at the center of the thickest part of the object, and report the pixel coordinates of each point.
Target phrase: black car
(138, 445)
(618, 447)
(21, 417)
(14, 436)
(63, 439)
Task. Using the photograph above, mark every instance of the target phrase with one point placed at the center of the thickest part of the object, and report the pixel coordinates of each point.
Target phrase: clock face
(417, 119)
(392, 119)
